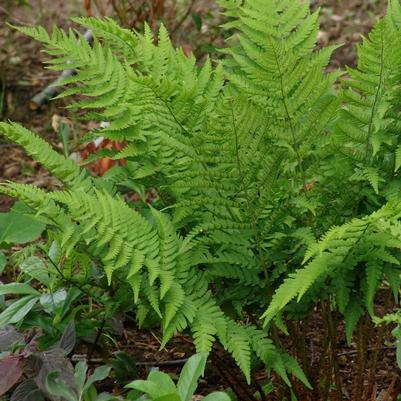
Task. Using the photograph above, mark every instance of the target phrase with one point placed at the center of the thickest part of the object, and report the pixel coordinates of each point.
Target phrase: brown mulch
(344, 22)
(222, 373)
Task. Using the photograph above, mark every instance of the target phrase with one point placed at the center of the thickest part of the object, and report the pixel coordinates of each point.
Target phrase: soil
(22, 76)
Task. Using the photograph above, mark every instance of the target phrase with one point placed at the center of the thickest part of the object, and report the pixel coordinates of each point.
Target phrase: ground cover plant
(276, 189)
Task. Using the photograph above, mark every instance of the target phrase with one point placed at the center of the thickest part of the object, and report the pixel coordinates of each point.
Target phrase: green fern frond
(298, 283)
(374, 273)
(124, 40)
(64, 169)
(352, 315)
(238, 345)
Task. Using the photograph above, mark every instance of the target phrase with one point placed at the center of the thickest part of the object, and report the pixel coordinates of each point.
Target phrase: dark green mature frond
(238, 345)
(369, 240)
(356, 257)
(364, 130)
(272, 60)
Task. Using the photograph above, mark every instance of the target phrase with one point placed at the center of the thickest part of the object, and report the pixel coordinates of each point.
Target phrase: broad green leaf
(18, 288)
(72, 295)
(17, 226)
(217, 396)
(91, 394)
(68, 339)
(54, 251)
(37, 269)
(169, 397)
(52, 301)
(134, 395)
(164, 381)
(99, 374)
(59, 388)
(145, 386)
(81, 369)
(192, 370)
(18, 310)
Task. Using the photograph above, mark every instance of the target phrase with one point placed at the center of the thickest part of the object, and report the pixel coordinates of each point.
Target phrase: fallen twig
(80, 357)
(351, 352)
(183, 18)
(390, 390)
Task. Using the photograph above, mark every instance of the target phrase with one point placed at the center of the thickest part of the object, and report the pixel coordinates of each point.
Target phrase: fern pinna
(254, 157)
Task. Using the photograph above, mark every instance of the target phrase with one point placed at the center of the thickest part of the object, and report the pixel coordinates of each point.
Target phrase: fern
(370, 241)
(366, 142)
(273, 185)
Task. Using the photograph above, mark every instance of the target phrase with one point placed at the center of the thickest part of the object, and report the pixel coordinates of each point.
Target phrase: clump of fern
(357, 254)
(272, 184)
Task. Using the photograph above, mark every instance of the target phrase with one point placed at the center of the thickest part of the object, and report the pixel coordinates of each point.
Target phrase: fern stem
(361, 360)
(241, 391)
(250, 209)
(376, 99)
(321, 368)
(377, 349)
(65, 279)
(289, 118)
(236, 144)
(333, 354)
(98, 335)
(298, 335)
